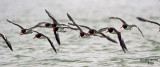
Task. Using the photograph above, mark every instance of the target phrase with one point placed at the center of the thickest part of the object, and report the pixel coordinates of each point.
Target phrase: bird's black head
(124, 26)
(53, 25)
(38, 35)
(91, 32)
(55, 29)
(22, 31)
(110, 30)
(81, 34)
(47, 24)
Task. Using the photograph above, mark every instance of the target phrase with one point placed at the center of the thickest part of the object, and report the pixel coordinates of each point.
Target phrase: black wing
(62, 24)
(110, 39)
(35, 31)
(43, 27)
(103, 29)
(121, 41)
(72, 24)
(100, 33)
(72, 28)
(52, 45)
(7, 42)
(145, 20)
(70, 18)
(142, 19)
(80, 26)
(52, 17)
(139, 30)
(57, 37)
(68, 27)
(119, 19)
(15, 24)
(38, 25)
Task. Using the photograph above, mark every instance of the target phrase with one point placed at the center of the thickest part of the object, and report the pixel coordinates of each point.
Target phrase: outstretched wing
(7, 42)
(103, 29)
(80, 26)
(145, 20)
(72, 28)
(110, 39)
(62, 24)
(138, 29)
(52, 17)
(38, 25)
(57, 37)
(142, 19)
(52, 45)
(124, 23)
(70, 18)
(35, 31)
(15, 24)
(122, 44)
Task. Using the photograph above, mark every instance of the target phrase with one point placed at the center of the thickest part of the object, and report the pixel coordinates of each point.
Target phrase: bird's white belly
(128, 28)
(28, 32)
(113, 32)
(42, 37)
(61, 30)
(59, 25)
(86, 36)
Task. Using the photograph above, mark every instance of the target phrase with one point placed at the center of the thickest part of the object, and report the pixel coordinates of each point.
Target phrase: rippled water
(75, 51)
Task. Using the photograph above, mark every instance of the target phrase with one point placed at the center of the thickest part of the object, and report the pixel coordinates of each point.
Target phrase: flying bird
(42, 36)
(43, 25)
(55, 29)
(50, 25)
(23, 30)
(145, 20)
(114, 31)
(59, 28)
(55, 23)
(47, 24)
(127, 26)
(94, 32)
(82, 34)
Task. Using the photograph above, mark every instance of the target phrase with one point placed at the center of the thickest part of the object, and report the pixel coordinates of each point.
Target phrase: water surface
(75, 51)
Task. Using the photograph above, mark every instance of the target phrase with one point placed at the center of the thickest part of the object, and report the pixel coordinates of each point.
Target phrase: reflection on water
(75, 51)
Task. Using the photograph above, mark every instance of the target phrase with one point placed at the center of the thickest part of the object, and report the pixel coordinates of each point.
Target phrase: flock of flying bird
(57, 27)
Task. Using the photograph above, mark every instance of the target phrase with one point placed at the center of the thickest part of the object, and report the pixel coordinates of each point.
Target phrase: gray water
(75, 51)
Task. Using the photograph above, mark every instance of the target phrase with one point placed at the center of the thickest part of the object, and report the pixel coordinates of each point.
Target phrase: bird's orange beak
(34, 37)
(51, 25)
(107, 31)
(20, 33)
(88, 33)
(80, 35)
(121, 26)
(53, 29)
